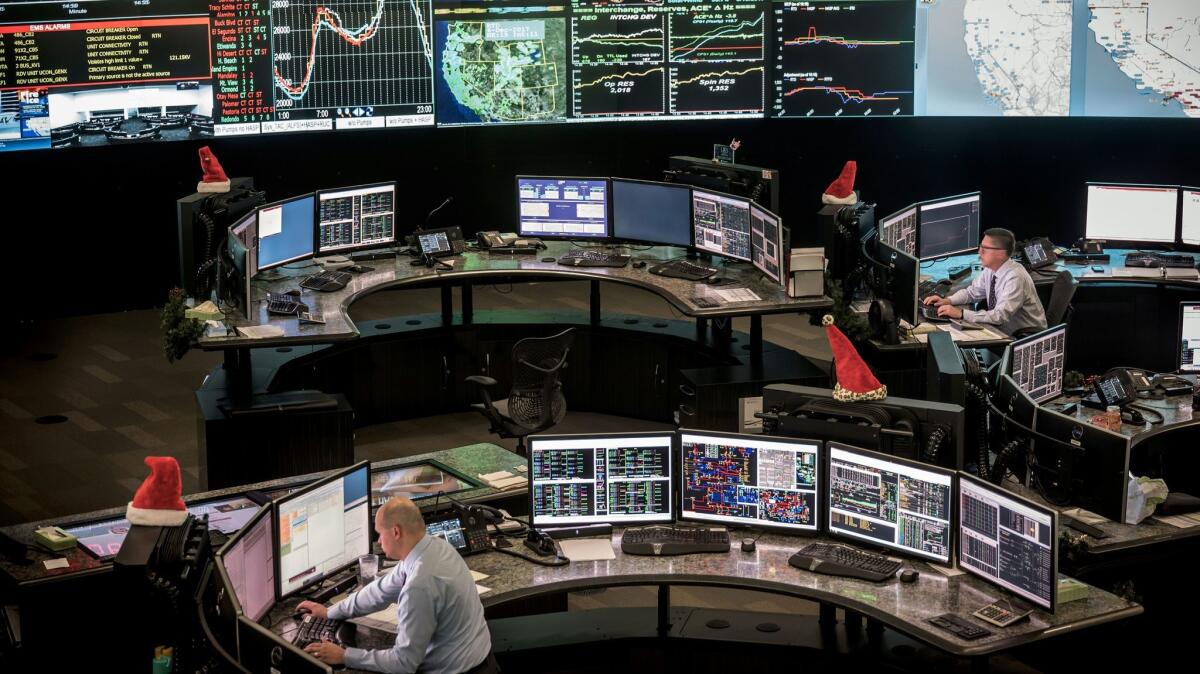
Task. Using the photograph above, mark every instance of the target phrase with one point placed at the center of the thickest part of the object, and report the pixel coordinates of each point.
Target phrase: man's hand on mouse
(318, 610)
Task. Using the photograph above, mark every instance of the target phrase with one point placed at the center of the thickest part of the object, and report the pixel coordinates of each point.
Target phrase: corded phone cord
(1007, 453)
(1151, 410)
(933, 444)
(558, 561)
(981, 436)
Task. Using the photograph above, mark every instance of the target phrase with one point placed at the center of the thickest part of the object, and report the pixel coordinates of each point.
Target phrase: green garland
(853, 325)
(179, 332)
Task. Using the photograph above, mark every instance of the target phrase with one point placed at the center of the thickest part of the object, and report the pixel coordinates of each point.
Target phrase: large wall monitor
(750, 479)
(570, 208)
(768, 247)
(721, 223)
(355, 218)
(249, 561)
(899, 230)
(1189, 337)
(1036, 363)
(1008, 540)
(1132, 212)
(618, 478)
(901, 505)
(652, 212)
(285, 232)
(949, 226)
(322, 528)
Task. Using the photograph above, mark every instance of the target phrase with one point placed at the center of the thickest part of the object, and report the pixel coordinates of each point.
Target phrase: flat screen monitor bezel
(1002, 493)
(725, 195)
(1011, 351)
(572, 522)
(1181, 241)
(1175, 238)
(299, 493)
(794, 529)
(780, 240)
(971, 247)
(890, 549)
(881, 248)
(472, 484)
(1179, 342)
(613, 212)
(346, 250)
(567, 237)
(916, 212)
(263, 511)
(313, 234)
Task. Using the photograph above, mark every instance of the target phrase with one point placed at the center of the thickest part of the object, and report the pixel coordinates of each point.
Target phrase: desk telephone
(464, 527)
(1039, 252)
(441, 242)
(494, 239)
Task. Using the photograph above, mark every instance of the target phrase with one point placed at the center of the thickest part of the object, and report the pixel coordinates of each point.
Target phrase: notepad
(260, 331)
(587, 549)
(736, 295)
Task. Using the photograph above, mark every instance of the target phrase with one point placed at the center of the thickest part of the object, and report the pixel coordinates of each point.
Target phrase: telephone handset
(1039, 252)
(494, 239)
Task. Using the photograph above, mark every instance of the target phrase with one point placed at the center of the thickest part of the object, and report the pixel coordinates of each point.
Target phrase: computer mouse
(300, 613)
(639, 264)
(294, 292)
(547, 259)
(749, 545)
(909, 576)
(714, 280)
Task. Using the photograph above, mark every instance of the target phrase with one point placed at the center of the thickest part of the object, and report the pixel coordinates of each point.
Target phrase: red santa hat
(841, 191)
(854, 379)
(214, 180)
(157, 502)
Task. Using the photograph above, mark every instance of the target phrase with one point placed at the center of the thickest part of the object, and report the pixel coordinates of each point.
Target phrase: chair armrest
(482, 380)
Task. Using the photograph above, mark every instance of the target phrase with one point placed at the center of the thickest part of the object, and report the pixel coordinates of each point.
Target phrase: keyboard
(931, 287)
(592, 258)
(282, 303)
(684, 270)
(1155, 260)
(666, 540)
(842, 560)
(327, 281)
(313, 629)
(929, 312)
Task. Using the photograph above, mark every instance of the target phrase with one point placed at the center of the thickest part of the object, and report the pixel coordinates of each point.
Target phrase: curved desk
(903, 607)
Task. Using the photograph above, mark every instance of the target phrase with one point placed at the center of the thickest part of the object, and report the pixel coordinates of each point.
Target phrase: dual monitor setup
(638, 211)
(796, 486)
(1162, 214)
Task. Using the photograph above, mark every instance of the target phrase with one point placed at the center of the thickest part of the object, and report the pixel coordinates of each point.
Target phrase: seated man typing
(1012, 301)
(440, 624)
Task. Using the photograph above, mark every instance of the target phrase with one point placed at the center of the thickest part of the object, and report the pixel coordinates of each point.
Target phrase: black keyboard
(665, 540)
(313, 629)
(842, 560)
(931, 287)
(282, 303)
(327, 281)
(930, 313)
(592, 258)
(1156, 260)
(683, 269)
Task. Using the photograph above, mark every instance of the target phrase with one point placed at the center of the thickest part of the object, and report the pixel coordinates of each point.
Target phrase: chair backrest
(536, 400)
(1060, 298)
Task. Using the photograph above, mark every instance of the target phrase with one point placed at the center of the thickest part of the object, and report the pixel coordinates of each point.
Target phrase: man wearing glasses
(1011, 302)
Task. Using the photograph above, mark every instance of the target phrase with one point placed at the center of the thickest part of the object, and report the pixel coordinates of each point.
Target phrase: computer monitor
(562, 208)
(1008, 541)
(416, 481)
(248, 561)
(899, 230)
(721, 224)
(949, 226)
(754, 480)
(1081, 463)
(619, 478)
(261, 650)
(768, 247)
(1189, 337)
(904, 280)
(285, 232)
(219, 612)
(652, 212)
(1189, 228)
(1036, 363)
(226, 515)
(322, 528)
(103, 538)
(1132, 212)
(356, 218)
(892, 503)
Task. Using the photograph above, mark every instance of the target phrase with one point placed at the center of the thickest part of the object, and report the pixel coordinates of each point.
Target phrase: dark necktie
(992, 293)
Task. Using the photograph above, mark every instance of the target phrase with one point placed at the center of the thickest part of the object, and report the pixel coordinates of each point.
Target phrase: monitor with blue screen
(285, 232)
(563, 208)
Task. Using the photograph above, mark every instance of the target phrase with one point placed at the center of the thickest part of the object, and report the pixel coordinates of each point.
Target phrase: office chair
(535, 402)
(1059, 307)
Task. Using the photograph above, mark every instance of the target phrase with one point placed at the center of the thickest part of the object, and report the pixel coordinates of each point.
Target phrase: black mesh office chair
(1058, 307)
(535, 402)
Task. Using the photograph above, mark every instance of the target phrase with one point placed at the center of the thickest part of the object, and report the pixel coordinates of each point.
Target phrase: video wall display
(107, 72)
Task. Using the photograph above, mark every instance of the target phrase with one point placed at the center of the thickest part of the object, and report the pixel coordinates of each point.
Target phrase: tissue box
(1070, 589)
(53, 538)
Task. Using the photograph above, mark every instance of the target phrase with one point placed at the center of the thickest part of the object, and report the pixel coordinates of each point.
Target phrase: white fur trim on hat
(848, 200)
(155, 518)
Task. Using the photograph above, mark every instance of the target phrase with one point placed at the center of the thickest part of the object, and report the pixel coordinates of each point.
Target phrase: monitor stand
(381, 254)
(270, 275)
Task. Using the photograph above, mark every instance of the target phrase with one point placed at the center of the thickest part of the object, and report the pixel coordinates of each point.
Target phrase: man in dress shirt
(440, 624)
(1006, 287)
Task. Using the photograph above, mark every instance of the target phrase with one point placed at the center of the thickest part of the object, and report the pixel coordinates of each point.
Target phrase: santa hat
(214, 180)
(841, 191)
(854, 379)
(157, 502)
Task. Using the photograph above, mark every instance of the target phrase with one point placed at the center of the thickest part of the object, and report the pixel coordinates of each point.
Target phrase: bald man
(440, 625)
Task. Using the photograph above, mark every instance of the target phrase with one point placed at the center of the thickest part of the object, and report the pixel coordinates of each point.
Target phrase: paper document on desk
(476, 576)
(737, 295)
(1182, 273)
(587, 549)
(1180, 521)
(479, 589)
(503, 480)
(260, 331)
(384, 619)
(1085, 516)
(981, 335)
